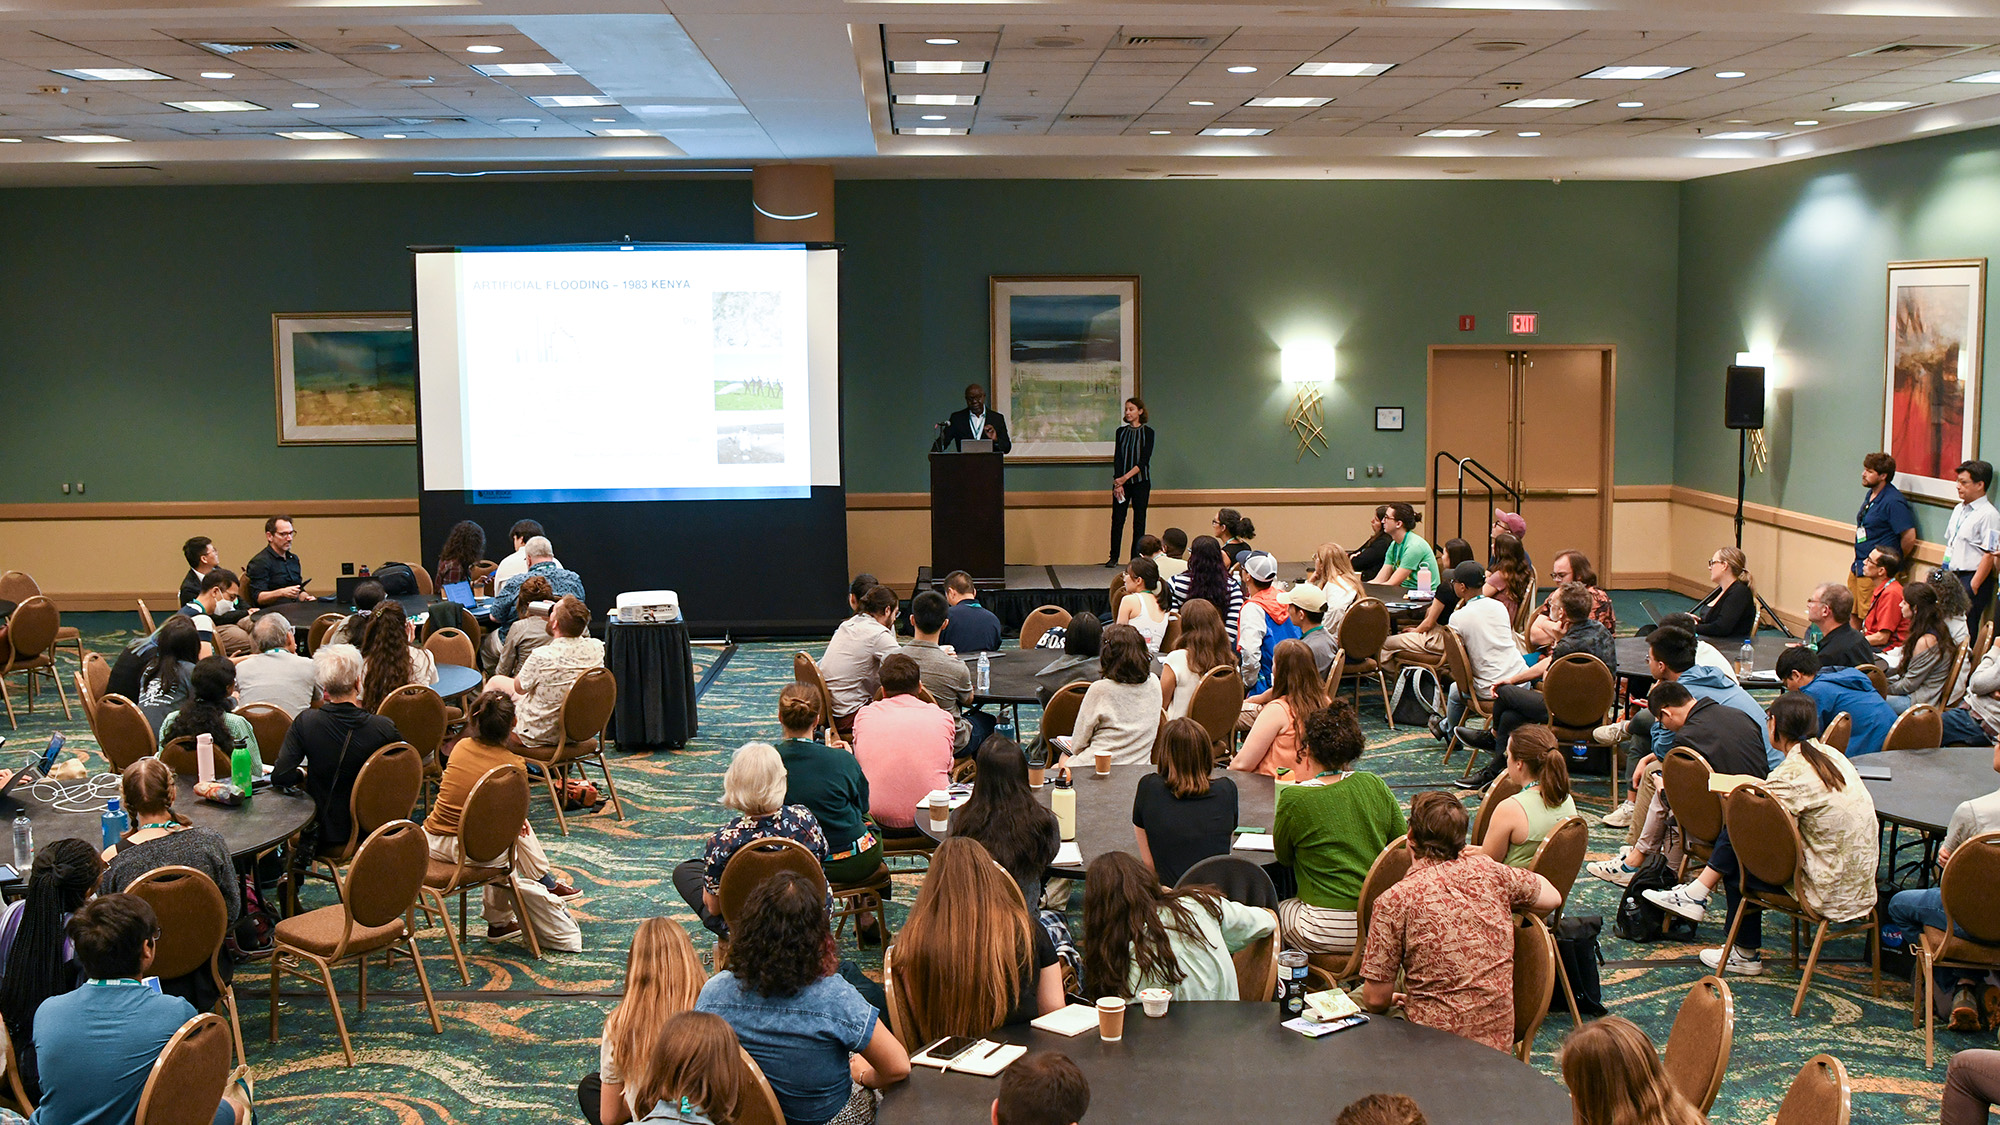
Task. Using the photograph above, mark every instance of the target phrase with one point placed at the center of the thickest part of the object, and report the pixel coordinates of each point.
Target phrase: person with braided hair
(160, 837)
(36, 960)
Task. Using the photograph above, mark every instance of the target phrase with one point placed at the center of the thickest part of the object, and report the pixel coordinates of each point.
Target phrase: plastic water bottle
(985, 680)
(115, 822)
(1813, 637)
(1005, 729)
(242, 768)
(24, 844)
(1291, 985)
(1746, 660)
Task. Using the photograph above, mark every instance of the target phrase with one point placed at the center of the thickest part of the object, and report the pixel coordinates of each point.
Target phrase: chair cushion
(908, 845)
(318, 932)
(438, 875)
(1365, 666)
(1954, 948)
(876, 883)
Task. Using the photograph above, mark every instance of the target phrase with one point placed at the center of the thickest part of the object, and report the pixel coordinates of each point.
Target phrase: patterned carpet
(517, 1039)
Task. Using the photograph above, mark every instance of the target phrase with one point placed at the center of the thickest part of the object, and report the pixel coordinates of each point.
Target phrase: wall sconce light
(1305, 367)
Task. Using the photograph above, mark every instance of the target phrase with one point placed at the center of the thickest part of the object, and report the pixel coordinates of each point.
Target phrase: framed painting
(1065, 357)
(1936, 341)
(345, 378)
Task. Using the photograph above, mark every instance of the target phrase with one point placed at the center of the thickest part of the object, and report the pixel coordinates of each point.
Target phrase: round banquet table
(1633, 667)
(1926, 786)
(1104, 812)
(456, 679)
(303, 614)
(1215, 1061)
(1401, 604)
(1011, 674)
(264, 820)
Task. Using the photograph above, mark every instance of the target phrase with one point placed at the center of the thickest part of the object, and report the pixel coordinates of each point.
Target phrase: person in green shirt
(1408, 554)
(1521, 822)
(825, 778)
(1328, 830)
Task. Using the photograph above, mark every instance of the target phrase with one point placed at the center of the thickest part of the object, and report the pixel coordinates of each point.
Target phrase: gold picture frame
(1064, 358)
(344, 378)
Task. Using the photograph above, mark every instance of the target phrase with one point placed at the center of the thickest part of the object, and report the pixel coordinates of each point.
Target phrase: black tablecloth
(654, 667)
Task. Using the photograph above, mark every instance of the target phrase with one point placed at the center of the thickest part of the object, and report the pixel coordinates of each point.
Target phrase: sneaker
(563, 891)
(1620, 817)
(503, 929)
(1475, 736)
(1477, 781)
(1613, 871)
(1739, 963)
(1680, 900)
(1964, 1009)
(1609, 734)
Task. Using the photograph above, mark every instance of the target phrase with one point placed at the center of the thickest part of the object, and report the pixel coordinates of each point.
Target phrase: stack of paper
(1072, 1020)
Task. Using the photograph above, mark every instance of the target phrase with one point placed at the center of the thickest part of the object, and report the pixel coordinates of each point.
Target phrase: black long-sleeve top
(1732, 614)
(1134, 451)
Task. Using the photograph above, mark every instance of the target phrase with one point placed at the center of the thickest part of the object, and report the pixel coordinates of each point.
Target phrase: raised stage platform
(1078, 588)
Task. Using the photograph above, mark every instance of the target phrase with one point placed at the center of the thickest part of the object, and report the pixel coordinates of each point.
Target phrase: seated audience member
(277, 675)
(754, 788)
(327, 744)
(542, 561)
(95, 1047)
(1263, 622)
(1367, 558)
(1172, 559)
(1181, 815)
(1547, 624)
(1042, 1088)
(1971, 1086)
(1954, 602)
(1615, 1078)
(1977, 716)
(1508, 573)
(160, 837)
(1731, 611)
(210, 688)
(463, 547)
(1121, 711)
(1149, 547)
(1307, 605)
(1841, 645)
(38, 960)
(1328, 829)
(1911, 912)
(1203, 646)
(202, 557)
(216, 597)
(796, 1015)
(1277, 736)
(1705, 654)
(1382, 1109)
(1923, 667)
(1082, 646)
(945, 676)
(1836, 690)
(1140, 935)
(1885, 626)
(154, 672)
(274, 575)
(548, 673)
(1019, 832)
(1448, 929)
(1524, 820)
(348, 630)
(389, 660)
(532, 602)
(970, 957)
(904, 745)
(489, 721)
(1208, 577)
(969, 627)
(1837, 837)
(691, 1072)
(1486, 631)
(851, 664)
(1423, 643)
(825, 778)
(862, 583)
(1235, 533)
(1515, 703)
(1143, 606)
(1333, 572)
(1408, 555)
(663, 976)
(517, 563)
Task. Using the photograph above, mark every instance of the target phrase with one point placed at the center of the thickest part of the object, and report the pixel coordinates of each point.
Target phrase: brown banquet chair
(1216, 704)
(1919, 728)
(1040, 621)
(181, 756)
(31, 637)
(1697, 1052)
(1839, 731)
(1534, 981)
(123, 734)
(189, 1077)
(1363, 629)
(194, 920)
(1969, 905)
(1332, 969)
(586, 712)
(1559, 858)
(270, 724)
(1697, 808)
(805, 670)
(1820, 1095)
(385, 789)
(487, 830)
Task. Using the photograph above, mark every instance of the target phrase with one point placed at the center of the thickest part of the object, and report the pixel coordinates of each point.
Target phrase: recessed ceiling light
(215, 106)
(10, 140)
(305, 105)
(525, 120)
(1635, 73)
(1530, 133)
(1805, 123)
(318, 135)
(1242, 70)
(1729, 74)
(1741, 135)
(1631, 105)
(603, 120)
(1342, 69)
(930, 131)
(523, 69)
(624, 132)
(931, 66)
(1162, 132)
(1201, 103)
(114, 74)
(942, 42)
(1455, 133)
(1232, 131)
(935, 117)
(937, 99)
(571, 101)
(394, 136)
(485, 49)
(1872, 107)
(1545, 103)
(1986, 77)
(1287, 103)
(218, 74)
(86, 139)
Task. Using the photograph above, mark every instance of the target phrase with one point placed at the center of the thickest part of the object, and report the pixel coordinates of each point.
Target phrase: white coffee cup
(940, 807)
(1155, 1001)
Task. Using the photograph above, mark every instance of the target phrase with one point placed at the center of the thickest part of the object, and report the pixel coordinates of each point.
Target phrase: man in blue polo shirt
(969, 627)
(1885, 520)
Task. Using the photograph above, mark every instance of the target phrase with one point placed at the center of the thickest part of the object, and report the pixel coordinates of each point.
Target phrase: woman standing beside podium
(1131, 476)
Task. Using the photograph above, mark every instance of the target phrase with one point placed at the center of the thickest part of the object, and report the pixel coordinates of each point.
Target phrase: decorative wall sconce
(1305, 367)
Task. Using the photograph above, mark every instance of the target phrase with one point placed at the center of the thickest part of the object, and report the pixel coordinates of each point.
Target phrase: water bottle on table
(115, 822)
(24, 844)
(1291, 985)
(1746, 660)
(242, 768)
(984, 682)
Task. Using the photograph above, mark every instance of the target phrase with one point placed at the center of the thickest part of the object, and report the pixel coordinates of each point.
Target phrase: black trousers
(1725, 864)
(1514, 706)
(1136, 495)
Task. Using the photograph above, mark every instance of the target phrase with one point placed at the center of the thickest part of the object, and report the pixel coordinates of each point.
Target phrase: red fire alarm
(1465, 324)
(1522, 323)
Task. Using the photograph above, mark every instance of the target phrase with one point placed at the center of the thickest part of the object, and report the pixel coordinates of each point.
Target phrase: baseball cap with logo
(1260, 566)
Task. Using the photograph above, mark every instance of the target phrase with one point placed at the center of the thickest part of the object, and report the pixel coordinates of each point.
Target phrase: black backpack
(1576, 945)
(397, 579)
(1641, 921)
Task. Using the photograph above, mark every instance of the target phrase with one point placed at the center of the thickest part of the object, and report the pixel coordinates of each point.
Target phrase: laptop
(1652, 611)
(461, 593)
(975, 445)
(344, 587)
(33, 766)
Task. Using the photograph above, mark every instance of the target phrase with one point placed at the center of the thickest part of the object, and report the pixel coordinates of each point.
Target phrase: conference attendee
(1333, 572)
(1885, 521)
(1570, 566)
(38, 960)
(753, 789)
(1976, 718)
(159, 676)
(1382, 1109)
(1615, 1077)
(1408, 555)
(274, 575)
(826, 779)
(1143, 604)
(389, 658)
(1507, 523)
(517, 563)
(1972, 536)
(1447, 928)
(202, 557)
(1277, 735)
(211, 695)
(1328, 829)
(1953, 602)
(1131, 476)
(1509, 576)
(1203, 646)
(1042, 1088)
(1913, 911)
(1120, 712)
(663, 978)
(489, 721)
(463, 547)
(1368, 557)
(1730, 611)
(542, 561)
(974, 423)
(1234, 531)
(1180, 814)
(160, 837)
(1018, 831)
(1262, 623)
(862, 583)
(1423, 643)
(216, 597)
(1172, 558)
(326, 745)
(1207, 577)
(548, 673)
(1971, 1087)
(1884, 624)
(1082, 647)
(348, 630)
(1923, 666)
(796, 1015)
(1521, 822)
(95, 1047)
(904, 745)
(1486, 632)
(1837, 835)
(1308, 608)
(944, 675)
(532, 603)
(970, 958)
(1837, 691)
(1830, 608)
(1515, 703)
(277, 674)
(1140, 935)
(969, 626)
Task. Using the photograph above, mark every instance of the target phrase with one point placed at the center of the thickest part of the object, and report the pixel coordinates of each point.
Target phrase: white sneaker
(1738, 963)
(1620, 817)
(1613, 871)
(1680, 900)
(1609, 734)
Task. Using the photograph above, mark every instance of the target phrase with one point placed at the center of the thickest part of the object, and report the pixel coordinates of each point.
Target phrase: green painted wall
(138, 319)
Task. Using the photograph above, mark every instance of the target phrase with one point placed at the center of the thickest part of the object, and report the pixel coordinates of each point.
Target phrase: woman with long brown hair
(1180, 814)
(1507, 579)
(1207, 577)
(1202, 646)
(1143, 936)
(663, 977)
(969, 957)
(1921, 668)
(1017, 831)
(388, 659)
(1296, 691)
(1615, 1078)
(1143, 605)
(1521, 822)
(462, 550)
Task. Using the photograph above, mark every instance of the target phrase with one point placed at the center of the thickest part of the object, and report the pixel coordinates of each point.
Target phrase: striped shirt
(1135, 450)
(1179, 585)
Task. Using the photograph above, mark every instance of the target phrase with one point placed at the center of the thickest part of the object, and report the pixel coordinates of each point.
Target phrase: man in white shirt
(1972, 537)
(217, 597)
(852, 662)
(517, 563)
(277, 675)
(1483, 624)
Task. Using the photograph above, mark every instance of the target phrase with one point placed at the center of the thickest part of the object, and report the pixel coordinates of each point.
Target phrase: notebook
(1872, 772)
(1068, 855)
(1074, 1019)
(984, 1058)
(1256, 842)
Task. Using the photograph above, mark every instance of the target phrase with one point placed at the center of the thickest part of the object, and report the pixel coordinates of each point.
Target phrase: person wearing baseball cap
(1507, 523)
(1307, 603)
(1264, 621)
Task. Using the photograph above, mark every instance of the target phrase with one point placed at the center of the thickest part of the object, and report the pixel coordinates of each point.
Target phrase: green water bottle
(242, 768)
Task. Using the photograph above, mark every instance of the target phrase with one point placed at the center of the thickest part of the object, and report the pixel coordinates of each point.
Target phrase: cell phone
(151, 982)
(950, 1047)
(1250, 828)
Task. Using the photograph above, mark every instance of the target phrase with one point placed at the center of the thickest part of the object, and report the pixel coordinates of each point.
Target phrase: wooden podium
(969, 517)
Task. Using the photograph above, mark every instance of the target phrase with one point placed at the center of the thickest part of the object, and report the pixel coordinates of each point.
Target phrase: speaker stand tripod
(1742, 478)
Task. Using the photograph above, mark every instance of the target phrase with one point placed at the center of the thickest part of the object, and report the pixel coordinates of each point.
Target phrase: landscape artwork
(1065, 358)
(345, 378)
(1932, 371)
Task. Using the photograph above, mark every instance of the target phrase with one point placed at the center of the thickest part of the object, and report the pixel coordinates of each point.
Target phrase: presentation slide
(618, 373)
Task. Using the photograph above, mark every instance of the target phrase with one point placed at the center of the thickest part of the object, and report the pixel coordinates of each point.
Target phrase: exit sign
(1522, 323)
(1465, 323)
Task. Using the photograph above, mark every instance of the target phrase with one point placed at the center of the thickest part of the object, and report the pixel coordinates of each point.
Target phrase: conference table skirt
(654, 667)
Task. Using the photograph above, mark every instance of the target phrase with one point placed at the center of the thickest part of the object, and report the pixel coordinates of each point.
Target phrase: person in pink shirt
(904, 746)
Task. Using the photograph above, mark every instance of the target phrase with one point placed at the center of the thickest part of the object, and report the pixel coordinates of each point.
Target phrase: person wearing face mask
(210, 607)
(975, 423)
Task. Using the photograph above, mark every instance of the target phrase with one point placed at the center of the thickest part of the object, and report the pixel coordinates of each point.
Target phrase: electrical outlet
(1350, 472)
(66, 488)
(79, 488)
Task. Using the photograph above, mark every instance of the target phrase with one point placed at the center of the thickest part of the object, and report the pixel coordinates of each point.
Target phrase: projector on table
(648, 607)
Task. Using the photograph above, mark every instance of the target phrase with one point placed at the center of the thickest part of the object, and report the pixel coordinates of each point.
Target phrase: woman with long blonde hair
(1615, 1078)
(1280, 730)
(693, 1071)
(1333, 572)
(970, 958)
(1202, 645)
(663, 977)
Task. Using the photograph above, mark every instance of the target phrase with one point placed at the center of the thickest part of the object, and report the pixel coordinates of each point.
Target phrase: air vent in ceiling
(1655, 120)
(1498, 46)
(1097, 117)
(1018, 117)
(431, 120)
(1055, 42)
(1192, 42)
(240, 46)
(1920, 50)
(1192, 175)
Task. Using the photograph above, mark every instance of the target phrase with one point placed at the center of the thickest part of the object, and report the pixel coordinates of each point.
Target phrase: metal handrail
(1481, 476)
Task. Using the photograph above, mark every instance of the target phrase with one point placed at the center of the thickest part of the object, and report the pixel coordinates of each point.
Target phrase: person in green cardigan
(1328, 830)
(825, 778)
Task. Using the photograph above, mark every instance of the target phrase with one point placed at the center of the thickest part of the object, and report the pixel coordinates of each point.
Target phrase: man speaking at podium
(975, 423)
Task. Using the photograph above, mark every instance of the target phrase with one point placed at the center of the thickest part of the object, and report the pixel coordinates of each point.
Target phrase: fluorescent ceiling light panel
(1805, 123)
(941, 42)
(1287, 103)
(86, 139)
(1232, 131)
(1635, 73)
(1242, 70)
(1872, 107)
(305, 105)
(218, 74)
(485, 49)
(1729, 74)
(571, 101)
(1546, 103)
(1984, 77)
(215, 106)
(929, 66)
(929, 131)
(937, 99)
(523, 69)
(1456, 133)
(114, 74)
(1342, 69)
(624, 132)
(10, 140)
(1741, 135)
(318, 135)
(1529, 133)
(1631, 105)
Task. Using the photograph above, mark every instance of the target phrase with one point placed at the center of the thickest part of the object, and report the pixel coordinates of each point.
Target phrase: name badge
(1860, 534)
